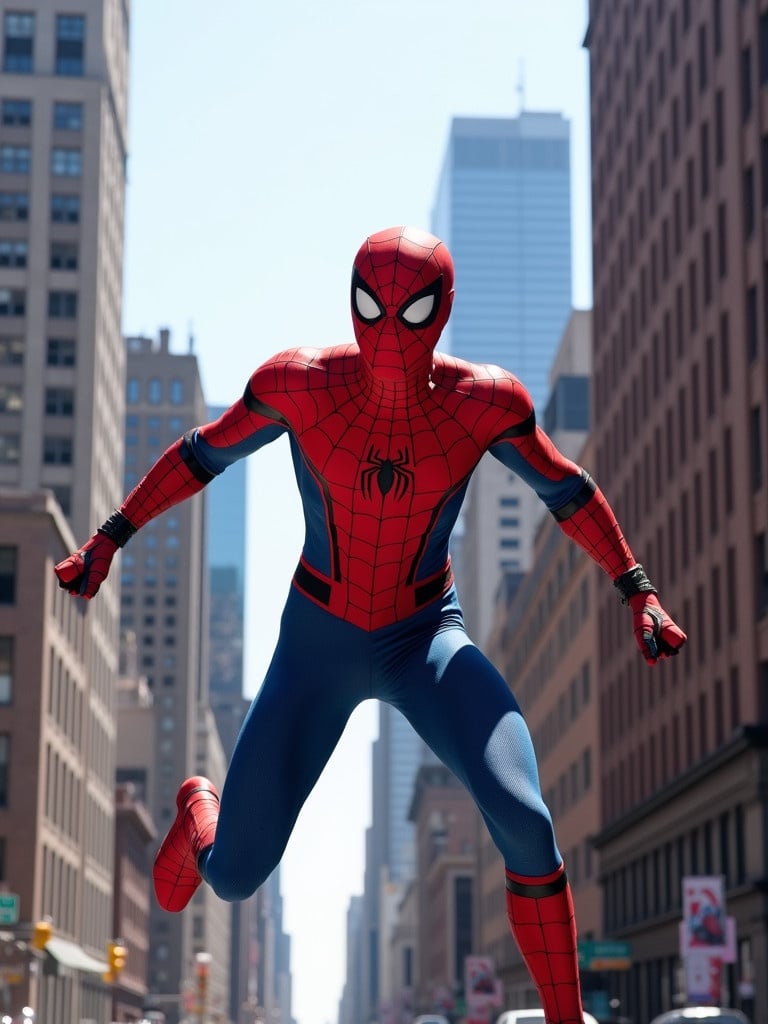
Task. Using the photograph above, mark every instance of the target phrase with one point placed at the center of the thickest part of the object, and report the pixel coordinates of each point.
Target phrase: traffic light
(41, 934)
(116, 956)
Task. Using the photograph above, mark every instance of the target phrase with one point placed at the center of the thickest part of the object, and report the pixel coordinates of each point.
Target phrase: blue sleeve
(554, 493)
(216, 460)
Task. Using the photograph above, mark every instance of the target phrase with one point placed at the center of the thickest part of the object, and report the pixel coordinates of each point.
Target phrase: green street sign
(9, 908)
(604, 955)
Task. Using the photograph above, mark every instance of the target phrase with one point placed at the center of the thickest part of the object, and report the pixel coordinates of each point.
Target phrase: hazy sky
(267, 140)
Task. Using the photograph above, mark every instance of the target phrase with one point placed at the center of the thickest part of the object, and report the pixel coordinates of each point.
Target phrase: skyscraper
(63, 148)
(397, 754)
(164, 601)
(503, 208)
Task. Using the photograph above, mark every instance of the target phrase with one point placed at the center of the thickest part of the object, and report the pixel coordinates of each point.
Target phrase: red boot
(175, 871)
(540, 912)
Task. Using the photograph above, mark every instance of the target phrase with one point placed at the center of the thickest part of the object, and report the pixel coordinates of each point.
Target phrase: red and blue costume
(384, 434)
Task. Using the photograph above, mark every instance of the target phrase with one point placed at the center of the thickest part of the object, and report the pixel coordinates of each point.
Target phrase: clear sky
(267, 140)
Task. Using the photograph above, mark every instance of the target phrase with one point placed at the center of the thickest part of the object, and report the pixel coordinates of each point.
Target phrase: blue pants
(427, 668)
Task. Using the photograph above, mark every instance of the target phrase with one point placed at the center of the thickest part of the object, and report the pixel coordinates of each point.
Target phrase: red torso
(386, 460)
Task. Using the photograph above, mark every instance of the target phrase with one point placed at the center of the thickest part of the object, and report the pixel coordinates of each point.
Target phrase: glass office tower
(503, 208)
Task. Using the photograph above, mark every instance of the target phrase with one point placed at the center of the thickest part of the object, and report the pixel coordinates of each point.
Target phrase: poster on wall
(704, 918)
(482, 989)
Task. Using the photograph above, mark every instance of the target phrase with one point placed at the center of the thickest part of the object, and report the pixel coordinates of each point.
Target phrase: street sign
(9, 908)
(604, 955)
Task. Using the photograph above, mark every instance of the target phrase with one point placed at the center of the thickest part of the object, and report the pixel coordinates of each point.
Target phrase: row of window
(57, 451)
(651, 884)
(65, 207)
(59, 351)
(61, 304)
(58, 401)
(62, 255)
(561, 716)
(169, 426)
(689, 737)
(656, 86)
(155, 391)
(571, 786)
(19, 43)
(67, 117)
(65, 162)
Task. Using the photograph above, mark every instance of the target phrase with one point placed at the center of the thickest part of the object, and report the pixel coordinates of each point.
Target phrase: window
(68, 117)
(177, 392)
(10, 450)
(13, 302)
(70, 44)
(746, 83)
(18, 43)
(13, 254)
(59, 402)
(133, 390)
(749, 202)
(16, 113)
(11, 351)
(8, 574)
(14, 206)
(61, 352)
(757, 448)
(761, 576)
(65, 209)
(66, 163)
(57, 451)
(14, 159)
(62, 304)
(751, 321)
(6, 669)
(10, 398)
(63, 256)
(5, 759)
(155, 391)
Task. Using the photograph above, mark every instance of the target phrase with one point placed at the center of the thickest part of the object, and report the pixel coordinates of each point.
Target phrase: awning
(69, 954)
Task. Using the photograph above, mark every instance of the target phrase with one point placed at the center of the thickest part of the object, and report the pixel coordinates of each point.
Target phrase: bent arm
(569, 492)
(199, 455)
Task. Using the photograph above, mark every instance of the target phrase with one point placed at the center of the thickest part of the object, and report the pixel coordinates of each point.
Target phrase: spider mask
(402, 290)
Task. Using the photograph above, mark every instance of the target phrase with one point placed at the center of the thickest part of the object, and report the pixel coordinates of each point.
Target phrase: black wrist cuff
(632, 582)
(118, 529)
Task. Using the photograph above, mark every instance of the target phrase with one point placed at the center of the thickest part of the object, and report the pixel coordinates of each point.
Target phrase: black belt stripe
(427, 591)
(313, 585)
(527, 426)
(321, 590)
(538, 891)
(198, 471)
(579, 500)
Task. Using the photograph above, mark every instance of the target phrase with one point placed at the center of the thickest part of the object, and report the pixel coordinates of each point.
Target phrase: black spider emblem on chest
(387, 473)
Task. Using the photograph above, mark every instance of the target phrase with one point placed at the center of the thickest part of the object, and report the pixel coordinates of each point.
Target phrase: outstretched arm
(584, 514)
(182, 470)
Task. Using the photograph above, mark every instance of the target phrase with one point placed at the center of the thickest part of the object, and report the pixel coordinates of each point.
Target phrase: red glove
(656, 634)
(82, 573)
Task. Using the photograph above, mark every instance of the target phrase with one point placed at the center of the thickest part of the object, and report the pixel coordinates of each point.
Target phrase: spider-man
(385, 434)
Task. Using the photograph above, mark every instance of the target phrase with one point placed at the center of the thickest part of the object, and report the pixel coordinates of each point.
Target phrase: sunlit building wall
(679, 95)
(63, 152)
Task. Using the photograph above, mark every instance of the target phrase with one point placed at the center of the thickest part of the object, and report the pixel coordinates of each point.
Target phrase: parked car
(431, 1018)
(705, 1014)
(533, 1016)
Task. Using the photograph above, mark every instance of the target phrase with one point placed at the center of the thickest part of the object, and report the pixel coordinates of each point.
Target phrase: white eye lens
(366, 307)
(419, 310)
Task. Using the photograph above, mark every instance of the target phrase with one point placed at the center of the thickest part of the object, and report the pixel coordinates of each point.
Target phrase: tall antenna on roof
(521, 84)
